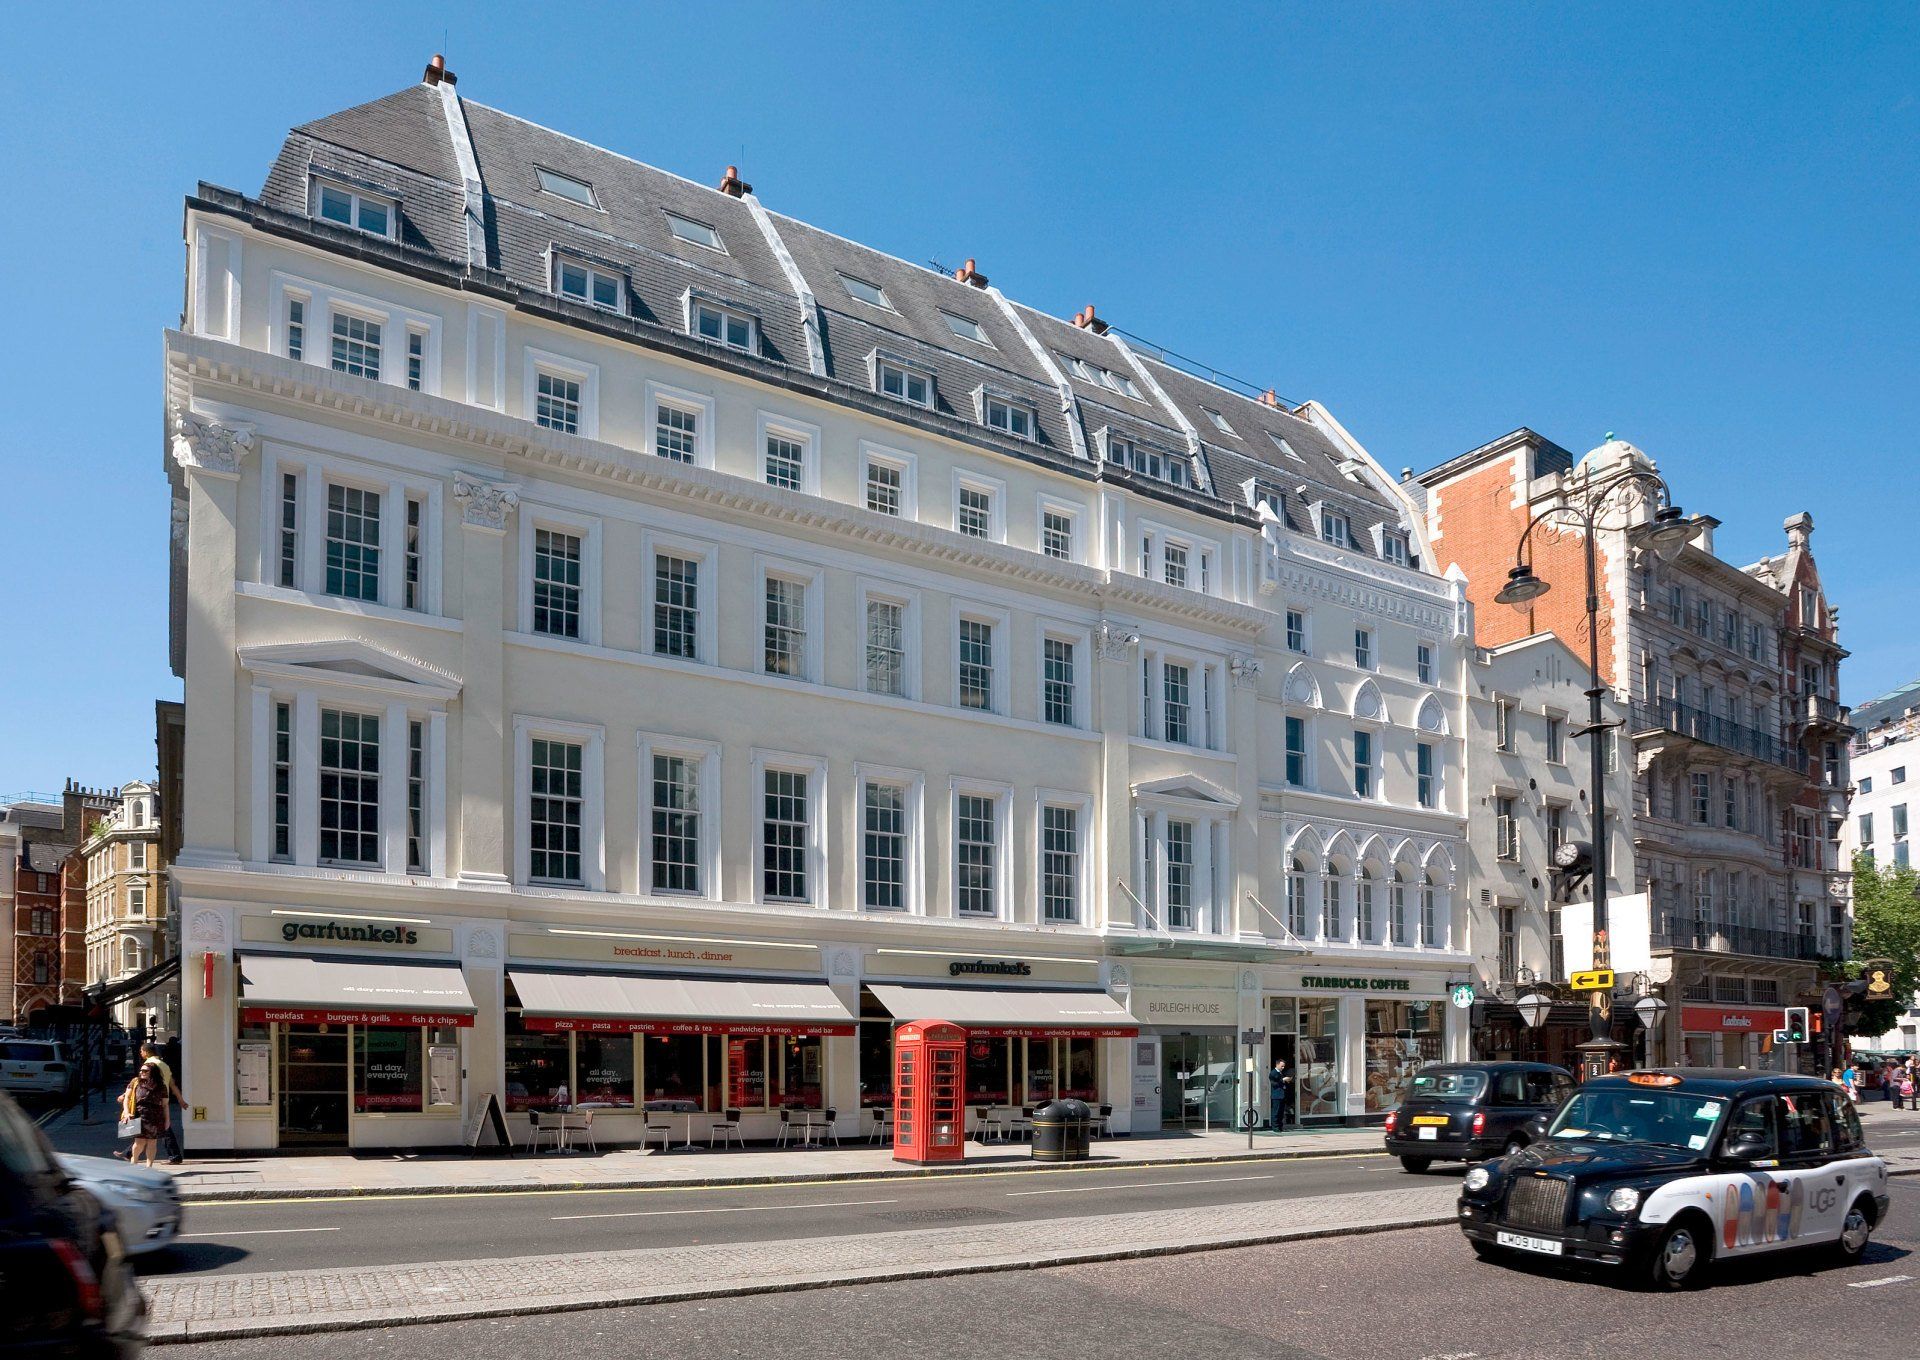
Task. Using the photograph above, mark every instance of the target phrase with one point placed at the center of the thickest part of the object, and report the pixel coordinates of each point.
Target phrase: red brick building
(48, 963)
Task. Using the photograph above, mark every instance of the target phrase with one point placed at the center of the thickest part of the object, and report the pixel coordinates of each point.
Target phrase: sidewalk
(270, 1304)
(239, 1177)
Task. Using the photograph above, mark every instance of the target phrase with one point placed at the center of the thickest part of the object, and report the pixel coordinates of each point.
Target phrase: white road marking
(1134, 1185)
(736, 1209)
(258, 1232)
(1875, 1284)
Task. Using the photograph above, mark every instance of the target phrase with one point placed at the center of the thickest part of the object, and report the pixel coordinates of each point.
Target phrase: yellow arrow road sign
(1599, 980)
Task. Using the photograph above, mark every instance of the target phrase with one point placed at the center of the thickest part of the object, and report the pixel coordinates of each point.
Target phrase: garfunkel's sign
(353, 933)
(1357, 984)
(992, 967)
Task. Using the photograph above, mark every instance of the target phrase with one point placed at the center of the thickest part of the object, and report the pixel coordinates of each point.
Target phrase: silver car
(142, 1198)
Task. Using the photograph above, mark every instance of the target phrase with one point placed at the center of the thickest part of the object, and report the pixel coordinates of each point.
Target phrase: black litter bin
(1062, 1131)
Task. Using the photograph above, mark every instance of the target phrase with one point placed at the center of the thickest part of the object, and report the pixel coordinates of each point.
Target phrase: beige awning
(299, 990)
(1011, 1010)
(642, 1004)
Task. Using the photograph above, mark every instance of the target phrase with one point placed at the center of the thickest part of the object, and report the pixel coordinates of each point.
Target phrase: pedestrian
(1850, 1078)
(145, 1100)
(1907, 1081)
(172, 1092)
(1280, 1091)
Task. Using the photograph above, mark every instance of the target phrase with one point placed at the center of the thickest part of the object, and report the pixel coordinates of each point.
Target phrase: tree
(1886, 925)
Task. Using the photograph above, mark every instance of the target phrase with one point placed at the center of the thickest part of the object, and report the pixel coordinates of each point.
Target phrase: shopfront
(1352, 1042)
(1193, 1024)
(1037, 1028)
(1731, 1036)
(329, 1048)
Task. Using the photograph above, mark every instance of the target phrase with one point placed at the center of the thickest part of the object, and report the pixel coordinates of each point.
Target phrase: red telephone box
(929, 1118)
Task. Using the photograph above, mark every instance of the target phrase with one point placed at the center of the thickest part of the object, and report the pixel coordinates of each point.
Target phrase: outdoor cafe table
(678, 1106)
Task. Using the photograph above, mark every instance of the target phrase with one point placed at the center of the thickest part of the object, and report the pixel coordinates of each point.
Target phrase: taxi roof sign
(1596, 980)
(1653, 1079)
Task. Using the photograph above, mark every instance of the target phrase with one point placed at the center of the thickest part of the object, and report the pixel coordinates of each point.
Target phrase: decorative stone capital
(484, 505)
(1245, 670)
(205, 445)
(1112, 642)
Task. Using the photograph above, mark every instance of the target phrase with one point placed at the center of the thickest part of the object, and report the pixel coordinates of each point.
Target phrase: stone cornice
(197, 359)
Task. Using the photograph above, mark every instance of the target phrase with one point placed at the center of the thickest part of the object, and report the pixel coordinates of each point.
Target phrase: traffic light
(1797, 1023)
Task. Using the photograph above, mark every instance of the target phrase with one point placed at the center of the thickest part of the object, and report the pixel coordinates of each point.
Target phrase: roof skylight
(966, 328)
(1219, 421)
(862, 291)
(697, 233)
(566, 186)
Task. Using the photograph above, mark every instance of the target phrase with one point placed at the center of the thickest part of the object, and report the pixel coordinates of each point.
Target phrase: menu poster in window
(389, 1076)
(443, 1074)
(747, 1069)
(252, 1074)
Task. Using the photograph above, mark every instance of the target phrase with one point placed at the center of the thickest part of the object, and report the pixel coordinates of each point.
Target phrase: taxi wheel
(1680, 1256)
(1416, 1164)
(1856, 1230)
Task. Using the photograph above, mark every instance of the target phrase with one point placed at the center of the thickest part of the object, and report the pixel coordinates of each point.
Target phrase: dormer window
(565, 186)
(1077, 367)
(1261, 493)
(862, 291)
(353, 208)
(1219, 420)
(587, 283)
(695, 233)
(1000, 413)
(895, 379)
(1336, 528)
(966, 328)
(1148, 461)
(723, 327)
(1393, 547)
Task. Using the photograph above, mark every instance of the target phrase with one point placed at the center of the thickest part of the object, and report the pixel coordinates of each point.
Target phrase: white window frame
(999, 621)
(986, 398)
(913, 785)
(693, 302)
(1002, 798)
(770, 423)
(815, 769)
(902, 462)
(870, 589)
(879, 362)
(1203, 555)
(974, 332)
(1431, 673)
(1083, 661)
(1075, 514)
(320, 179)
(1219, 420)
(1082, 806)
(588, 530)
(705, 756)
(700, 405)
(1206, 702)
(557, 258)
(1391, 539)
(541, 175)
(323, 300)
(995, 491)
(538, 361)
(879, 298)
(813, 615)
(1306, 632)
(653, 542)
(313, 472)
(1326, 517)
(592, 739)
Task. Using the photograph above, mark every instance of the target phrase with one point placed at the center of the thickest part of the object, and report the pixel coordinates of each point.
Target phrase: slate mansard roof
(405, 147)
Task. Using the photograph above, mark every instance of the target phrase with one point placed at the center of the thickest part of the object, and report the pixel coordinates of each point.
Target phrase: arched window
(130, 955)
(1297, 897)
(1430, 934)
(1397, 905)
(1330, 905)
(1366, 925)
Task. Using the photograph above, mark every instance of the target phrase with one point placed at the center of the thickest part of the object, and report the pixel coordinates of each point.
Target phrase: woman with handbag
(145, 1105)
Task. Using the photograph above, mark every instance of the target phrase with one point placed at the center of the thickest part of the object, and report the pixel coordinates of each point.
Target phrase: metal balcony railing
(1690, 932)
(1711, 728)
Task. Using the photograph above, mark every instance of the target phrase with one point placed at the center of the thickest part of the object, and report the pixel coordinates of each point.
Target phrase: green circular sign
(1463, 995)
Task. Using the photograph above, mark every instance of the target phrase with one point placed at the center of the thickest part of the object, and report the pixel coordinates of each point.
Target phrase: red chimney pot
(437, 71)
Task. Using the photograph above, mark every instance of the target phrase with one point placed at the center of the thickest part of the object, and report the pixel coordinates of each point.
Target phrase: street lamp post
(1586, 502)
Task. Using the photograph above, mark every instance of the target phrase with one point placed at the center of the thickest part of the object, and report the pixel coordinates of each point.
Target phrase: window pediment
(351, 662)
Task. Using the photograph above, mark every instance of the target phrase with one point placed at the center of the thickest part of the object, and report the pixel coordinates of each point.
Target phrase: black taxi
(1469, 1111)
(1661, 1173)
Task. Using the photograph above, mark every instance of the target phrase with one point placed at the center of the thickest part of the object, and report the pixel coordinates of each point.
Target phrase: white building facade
(126, 926)
(639, 648)
(1886, 801)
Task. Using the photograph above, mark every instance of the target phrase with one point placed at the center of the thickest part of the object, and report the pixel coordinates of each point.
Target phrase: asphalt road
(271, 1235)
(1412, 1295)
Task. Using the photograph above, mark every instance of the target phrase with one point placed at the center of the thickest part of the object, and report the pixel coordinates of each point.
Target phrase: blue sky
(1698, 226)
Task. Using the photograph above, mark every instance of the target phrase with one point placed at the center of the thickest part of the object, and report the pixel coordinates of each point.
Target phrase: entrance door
(313, 1085)
(1198, 1081)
